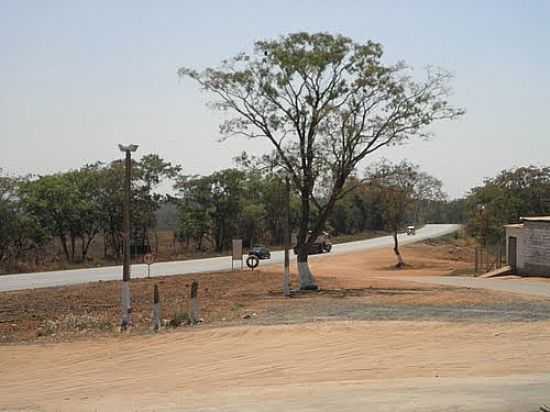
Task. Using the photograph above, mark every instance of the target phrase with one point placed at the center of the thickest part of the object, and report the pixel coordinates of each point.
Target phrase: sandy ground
(246, 368)
(370, 341)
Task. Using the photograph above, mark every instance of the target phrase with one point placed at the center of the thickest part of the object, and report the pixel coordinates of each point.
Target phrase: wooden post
(194, 302)
(477, 260)
(156, 309)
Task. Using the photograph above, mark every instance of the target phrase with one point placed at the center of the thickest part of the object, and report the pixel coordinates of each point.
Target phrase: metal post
(126, 218)
(286, 277)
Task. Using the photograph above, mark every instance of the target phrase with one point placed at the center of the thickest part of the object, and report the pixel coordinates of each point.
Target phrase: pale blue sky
(77, 78)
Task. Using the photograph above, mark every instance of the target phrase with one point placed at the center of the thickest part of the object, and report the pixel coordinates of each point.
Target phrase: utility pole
(126, 306)
(286, 277)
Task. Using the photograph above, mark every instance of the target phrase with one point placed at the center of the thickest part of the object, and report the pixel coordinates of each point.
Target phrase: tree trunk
(400, 262)
(73, 247)
(63, 240)
(307, 281)
(86, 245)
(105, 240)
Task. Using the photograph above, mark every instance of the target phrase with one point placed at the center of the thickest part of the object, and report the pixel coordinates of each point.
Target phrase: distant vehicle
(260, 251)
(411, 231)
(321, 245)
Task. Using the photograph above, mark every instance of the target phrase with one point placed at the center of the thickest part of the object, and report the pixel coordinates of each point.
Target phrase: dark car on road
(260, 251)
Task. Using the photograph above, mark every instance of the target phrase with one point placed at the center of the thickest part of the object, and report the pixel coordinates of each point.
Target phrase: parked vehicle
(321, 245)
(260, 251)
(411, 231)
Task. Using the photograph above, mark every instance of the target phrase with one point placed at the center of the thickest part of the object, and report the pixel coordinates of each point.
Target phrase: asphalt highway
(216, 264)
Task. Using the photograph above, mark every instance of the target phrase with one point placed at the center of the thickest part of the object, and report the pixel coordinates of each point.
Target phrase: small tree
(400, 187)
(324, 103)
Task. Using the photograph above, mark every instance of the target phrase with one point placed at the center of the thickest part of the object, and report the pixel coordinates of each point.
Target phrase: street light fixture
(125, 291)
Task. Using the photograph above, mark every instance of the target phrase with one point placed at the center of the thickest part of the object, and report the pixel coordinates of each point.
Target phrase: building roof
(536, 219)
(518, 225)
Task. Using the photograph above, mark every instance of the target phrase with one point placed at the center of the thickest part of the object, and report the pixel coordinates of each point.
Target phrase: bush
(179, 319)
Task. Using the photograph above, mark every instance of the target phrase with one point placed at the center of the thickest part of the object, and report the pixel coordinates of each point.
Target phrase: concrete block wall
(537, 248)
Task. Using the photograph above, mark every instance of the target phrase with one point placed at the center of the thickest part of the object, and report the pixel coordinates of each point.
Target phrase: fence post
(194, 302)
(477, 260)
(156, 309)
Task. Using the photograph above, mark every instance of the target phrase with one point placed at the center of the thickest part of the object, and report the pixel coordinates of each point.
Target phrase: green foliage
(504, 199)
(180, 319)
(359, 210)
(19, 230)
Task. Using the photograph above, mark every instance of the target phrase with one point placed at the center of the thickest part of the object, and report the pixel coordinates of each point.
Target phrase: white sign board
(237, 252)
(237, 249)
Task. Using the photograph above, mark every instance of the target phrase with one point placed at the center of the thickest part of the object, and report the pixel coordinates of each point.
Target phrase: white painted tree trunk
(126, 308)
(307, 281)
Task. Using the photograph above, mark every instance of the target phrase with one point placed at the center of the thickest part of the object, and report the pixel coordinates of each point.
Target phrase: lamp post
(126, 309)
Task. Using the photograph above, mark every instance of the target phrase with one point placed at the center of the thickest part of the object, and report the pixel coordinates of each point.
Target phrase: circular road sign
(252, 262)
(149, 258)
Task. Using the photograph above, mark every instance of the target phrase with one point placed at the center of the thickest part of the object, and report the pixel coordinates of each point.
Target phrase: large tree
(325, 103)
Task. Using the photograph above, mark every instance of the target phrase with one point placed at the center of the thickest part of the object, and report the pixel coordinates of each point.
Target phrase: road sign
(149, 259)
(252, 262)
(237, 252)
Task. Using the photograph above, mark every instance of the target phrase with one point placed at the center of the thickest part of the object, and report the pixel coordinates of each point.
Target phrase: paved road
(520, 285)
(217, 264)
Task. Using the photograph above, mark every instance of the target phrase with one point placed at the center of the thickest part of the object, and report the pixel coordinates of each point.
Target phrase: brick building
(528, 246)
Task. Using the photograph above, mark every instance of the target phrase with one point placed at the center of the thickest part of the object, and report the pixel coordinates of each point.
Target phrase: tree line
(65, 213)
(74, 207)
(504, 199)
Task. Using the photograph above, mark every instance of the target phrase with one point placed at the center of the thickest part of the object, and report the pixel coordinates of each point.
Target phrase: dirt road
(322, 366)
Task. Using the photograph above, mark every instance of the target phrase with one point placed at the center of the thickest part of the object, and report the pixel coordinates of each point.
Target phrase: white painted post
(126, 314)
(156, 309)
(194, 302)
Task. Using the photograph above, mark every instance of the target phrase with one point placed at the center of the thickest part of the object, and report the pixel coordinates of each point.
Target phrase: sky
(79, 77)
